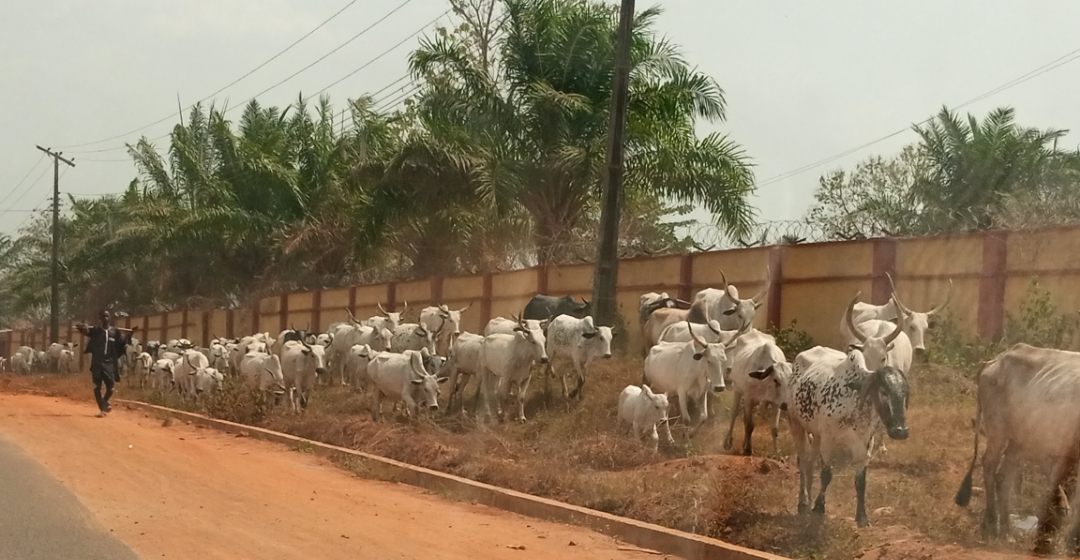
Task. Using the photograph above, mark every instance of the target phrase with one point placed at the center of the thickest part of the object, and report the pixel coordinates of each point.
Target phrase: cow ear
(762, 374)
(416, 381)
(442, 380)
(858, 347)
(758, 304)
(730, 312)
(698, 356)
(890, 346)
(519, 329)
(858, 385)
(588, 335)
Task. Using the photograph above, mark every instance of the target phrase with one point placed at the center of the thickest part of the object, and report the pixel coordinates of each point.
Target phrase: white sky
(804, 81)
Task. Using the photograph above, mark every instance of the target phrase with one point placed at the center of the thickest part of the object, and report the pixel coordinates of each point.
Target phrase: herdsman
(105, 344)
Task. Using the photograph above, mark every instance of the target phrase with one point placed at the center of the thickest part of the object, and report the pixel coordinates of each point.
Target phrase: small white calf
(643, 410)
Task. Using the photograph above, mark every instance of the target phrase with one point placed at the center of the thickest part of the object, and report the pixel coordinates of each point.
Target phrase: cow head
(534, 339)
(875, 349)
(775, 378)
(734, 311)
(324, 340)
(597, 338)
(393, 319)
(887, 390)
(657, 403)
(316, 355)
(432, 362)
(714, 355)
(425, 385)
(917, 323)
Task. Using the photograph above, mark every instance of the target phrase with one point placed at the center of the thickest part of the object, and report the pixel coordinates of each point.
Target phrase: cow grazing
(463, 364)
(643, 410)
(446, 322)
(688, 370)
(402, 377)
(263, 371)
(759, 373)
(580, 341)
(219, 357)
(1027, 408)
(916, 323)
(161, 374)
(385, 319)
(19, 364)
(652, 301)
(724, 305)
(208, 381)
(184, 375)
(840, 403)
(507, 359)
(412, 336)
(542, 307)
(301, 366)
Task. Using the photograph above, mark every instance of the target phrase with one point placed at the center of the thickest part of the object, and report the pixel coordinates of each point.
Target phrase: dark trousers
(104, 374)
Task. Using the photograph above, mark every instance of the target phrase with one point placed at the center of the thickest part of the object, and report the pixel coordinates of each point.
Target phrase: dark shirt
(105, 350)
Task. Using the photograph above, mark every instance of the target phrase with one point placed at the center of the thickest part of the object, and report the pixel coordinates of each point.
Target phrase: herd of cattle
(838, 402)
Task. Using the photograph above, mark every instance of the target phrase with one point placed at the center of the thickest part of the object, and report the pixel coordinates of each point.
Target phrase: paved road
(40, 519)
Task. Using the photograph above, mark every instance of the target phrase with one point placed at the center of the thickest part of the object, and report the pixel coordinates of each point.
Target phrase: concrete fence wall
(808, 283)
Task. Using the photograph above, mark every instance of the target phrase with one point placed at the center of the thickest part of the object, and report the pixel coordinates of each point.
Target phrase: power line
(1052, 65)
(28, 188)
(227, 86)
(23, 180)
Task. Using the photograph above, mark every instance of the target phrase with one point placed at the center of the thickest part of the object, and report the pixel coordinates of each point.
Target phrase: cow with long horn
(916, 323)
(446, 322)
(725, 305)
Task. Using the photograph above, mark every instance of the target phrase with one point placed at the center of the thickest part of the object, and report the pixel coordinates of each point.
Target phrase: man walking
(105, 344)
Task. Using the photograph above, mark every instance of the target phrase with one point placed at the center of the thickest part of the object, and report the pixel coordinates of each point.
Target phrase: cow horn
(412, 362)
(765, 290)
(896, 297)
(381, 310)
(851, 323)
(690, 327)
(723, 278)
(708, 322)
(464, 309)
(405, 309)
(948, 298)
(900, 320)
(352, 318)
(521, 319)
(742, 330)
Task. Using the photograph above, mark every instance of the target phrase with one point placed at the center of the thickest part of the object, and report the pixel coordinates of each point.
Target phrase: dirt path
(183, 492)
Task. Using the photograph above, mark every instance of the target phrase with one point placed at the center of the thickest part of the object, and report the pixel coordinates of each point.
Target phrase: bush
(1038, 323)
(238, 402)
(791, 339)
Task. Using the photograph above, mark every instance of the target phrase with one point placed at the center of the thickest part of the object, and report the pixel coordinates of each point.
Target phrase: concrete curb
(637, 533)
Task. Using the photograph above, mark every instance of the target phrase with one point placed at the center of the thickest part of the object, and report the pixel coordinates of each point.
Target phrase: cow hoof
(804, 508)
(862, 522)
(819, 505)
(728, 443)
(1043, 547)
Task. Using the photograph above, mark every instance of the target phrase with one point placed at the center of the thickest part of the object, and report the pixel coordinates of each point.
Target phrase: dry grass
(574, 453)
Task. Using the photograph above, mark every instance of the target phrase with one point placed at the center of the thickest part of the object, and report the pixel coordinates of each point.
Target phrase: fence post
(436, 290)
(316, 311)
(352, 300)
(542, 279)
(283, 312)
(183, 324)
(775, 285)
(164, 327)
(229, 323)
(391, 296)
(146, 327)
(992, 284)
(485, 301)
(686, 277)
(206, 329)
(884, 263)
(255, 317)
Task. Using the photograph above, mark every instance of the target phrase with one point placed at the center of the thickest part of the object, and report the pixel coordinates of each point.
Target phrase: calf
(688, 370)
(402, 377)
(301, 366)
(140, 368)
(579, 340)
(65, 364)
(836, 406)
(643, 410)
(507, 359)
(759, 373)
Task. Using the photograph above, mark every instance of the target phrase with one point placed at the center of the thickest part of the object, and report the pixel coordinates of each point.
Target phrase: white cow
(386, 320)
(301, 366)
(759, 373)
(141, 367)
(643, 410)
(412, 336)
(658, 321)
(1027, 408)
(402, 377)
(263, 371)
(161, 374)
(356, 365)
(54, 351)
(445, 321)
(65, 364)
(208, 381)
(178, 345)
(259, 343)
(836, 405)
(507, 359)
(724, 304)
(916, 323)
(219, 357)
(19, 364)
(688, 370)
(463, 364)
(580, 341)
(184, 374)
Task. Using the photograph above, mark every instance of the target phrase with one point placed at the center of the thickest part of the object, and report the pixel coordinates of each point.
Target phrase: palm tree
(532, 136)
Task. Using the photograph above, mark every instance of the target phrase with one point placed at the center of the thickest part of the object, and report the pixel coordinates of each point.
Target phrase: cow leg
(375, 404)
(806, 467)
(580, 369)
(776, 431)
(1049, 521)
(736, 408)
(748, 426)
(826, 478)
(860, 497)
(992, 457)
(523, 388)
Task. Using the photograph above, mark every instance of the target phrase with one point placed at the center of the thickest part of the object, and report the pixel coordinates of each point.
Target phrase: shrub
(1038, 322)
(791, 339)
(238, 402)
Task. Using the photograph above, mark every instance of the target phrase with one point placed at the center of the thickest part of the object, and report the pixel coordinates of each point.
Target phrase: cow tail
(963, 496)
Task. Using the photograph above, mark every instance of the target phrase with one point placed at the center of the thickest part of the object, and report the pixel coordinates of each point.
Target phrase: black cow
(543, 307)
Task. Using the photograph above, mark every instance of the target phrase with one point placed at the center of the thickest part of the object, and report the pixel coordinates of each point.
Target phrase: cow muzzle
(718, 388)
(607, 356)
(544, 360)
(433, 406)
(320, 371)
(898, 432)
(783, 407)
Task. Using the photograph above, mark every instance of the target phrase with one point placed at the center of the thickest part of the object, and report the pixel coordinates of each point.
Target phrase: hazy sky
(804, 81)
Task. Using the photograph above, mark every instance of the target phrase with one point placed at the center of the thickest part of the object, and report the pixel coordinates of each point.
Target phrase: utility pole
(54, 301)
(607, 258)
